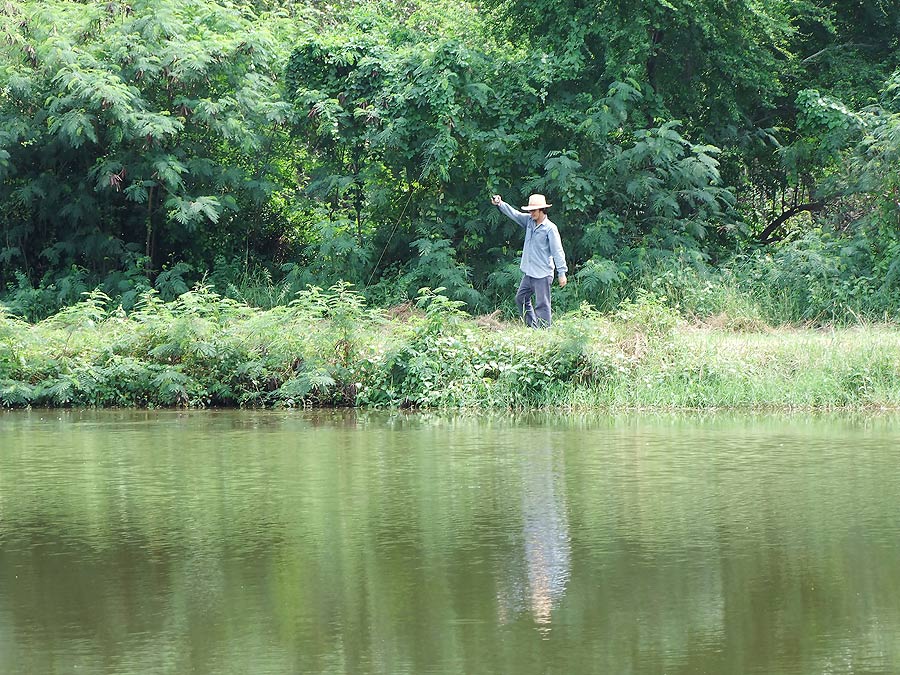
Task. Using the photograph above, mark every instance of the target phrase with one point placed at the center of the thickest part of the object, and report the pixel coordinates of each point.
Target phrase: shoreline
(202, 351)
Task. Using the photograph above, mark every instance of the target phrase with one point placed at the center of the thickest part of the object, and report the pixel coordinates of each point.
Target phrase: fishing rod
(425, 168)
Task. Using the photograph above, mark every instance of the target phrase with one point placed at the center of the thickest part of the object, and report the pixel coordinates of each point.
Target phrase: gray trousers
(537, 315)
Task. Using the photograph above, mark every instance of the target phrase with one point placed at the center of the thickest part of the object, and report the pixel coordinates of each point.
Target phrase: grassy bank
(328, 348)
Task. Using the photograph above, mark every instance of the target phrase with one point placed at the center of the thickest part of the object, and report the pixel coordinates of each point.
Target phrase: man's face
(538, 215)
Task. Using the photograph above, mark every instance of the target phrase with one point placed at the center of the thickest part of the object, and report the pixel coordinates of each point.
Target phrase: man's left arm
(559, 256)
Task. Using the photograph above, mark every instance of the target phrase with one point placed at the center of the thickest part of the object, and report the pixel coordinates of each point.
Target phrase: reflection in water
(545, 542)
(226, 543)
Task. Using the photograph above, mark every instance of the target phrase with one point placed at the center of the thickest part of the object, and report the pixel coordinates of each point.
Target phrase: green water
(305, 542)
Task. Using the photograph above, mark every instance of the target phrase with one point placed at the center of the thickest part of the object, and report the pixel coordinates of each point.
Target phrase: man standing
(543, 249)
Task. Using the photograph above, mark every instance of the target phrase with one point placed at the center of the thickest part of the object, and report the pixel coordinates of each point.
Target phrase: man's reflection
(546, 546)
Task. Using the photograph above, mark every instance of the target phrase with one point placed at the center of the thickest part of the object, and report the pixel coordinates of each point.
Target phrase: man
(543, 249)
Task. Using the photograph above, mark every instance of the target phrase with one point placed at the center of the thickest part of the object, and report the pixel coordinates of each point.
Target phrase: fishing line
(402, 213)
(390, 236)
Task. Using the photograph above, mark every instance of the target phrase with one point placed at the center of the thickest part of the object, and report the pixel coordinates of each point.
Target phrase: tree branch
(846, 45)
(765, 237)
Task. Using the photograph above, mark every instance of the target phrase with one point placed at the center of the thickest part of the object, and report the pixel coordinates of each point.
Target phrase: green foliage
(649, 314)
(718, 64)
(146, 128)
(410, 132)
(739, 160)
(327, 348)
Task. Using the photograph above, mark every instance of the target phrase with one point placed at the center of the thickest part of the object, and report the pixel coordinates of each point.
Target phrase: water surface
(336, 542)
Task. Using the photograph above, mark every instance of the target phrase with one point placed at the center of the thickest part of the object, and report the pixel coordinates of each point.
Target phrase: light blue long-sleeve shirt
(543, 247)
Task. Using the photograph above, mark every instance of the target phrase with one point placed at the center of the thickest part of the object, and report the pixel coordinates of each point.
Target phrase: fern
(172, 386)
(76, 127)
(58, 391)
(298, 389)
(192, 212)
(16, 394)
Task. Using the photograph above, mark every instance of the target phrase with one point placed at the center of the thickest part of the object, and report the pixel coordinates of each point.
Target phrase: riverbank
(327, 348)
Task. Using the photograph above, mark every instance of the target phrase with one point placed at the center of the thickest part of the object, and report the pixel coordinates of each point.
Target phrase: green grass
(327, 348)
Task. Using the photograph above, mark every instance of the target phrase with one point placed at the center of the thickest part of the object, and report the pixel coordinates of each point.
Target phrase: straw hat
(536, 202)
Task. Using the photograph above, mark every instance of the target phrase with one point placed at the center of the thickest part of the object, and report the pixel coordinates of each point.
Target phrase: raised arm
(508, 211)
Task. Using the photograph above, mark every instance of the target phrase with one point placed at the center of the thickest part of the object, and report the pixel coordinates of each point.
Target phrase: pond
(351, 542)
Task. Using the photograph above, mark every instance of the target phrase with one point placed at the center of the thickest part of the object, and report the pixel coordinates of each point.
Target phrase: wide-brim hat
(536, 202)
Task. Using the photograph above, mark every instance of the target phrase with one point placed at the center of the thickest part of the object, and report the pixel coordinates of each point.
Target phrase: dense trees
(280, 144)
(424, 133)
(134, 136)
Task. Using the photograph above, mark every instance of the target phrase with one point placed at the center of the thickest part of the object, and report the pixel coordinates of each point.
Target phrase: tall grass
(326, 347)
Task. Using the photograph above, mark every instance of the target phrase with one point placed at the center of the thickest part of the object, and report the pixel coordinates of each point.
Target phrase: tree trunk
(149, 244)
(656, 36)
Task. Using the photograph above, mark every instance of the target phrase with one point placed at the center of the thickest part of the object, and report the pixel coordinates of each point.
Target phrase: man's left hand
(562, 280)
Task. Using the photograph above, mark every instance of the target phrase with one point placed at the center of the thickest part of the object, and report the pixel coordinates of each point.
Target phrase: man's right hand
(496, 200)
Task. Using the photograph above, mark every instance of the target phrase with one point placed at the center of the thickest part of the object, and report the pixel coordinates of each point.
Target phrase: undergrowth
(326, 347)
